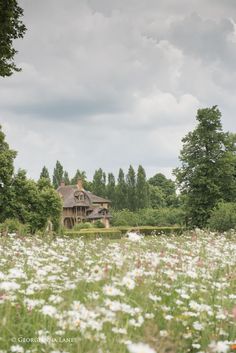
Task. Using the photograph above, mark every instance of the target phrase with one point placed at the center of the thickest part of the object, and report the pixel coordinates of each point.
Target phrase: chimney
(62, 183)
(80, 184)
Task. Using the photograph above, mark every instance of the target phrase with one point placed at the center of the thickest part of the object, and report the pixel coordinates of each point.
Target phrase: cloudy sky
(108, 83)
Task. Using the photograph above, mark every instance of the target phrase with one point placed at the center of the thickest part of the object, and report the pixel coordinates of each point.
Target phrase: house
(80, 205)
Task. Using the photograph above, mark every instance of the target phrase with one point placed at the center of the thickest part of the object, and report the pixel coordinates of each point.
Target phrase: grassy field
(155, 294)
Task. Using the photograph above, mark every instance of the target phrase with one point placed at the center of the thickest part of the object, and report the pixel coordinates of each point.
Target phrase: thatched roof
(69, 192)
(99, 213)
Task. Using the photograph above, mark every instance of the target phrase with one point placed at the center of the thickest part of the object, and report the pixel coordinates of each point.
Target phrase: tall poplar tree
(131, 189)
(121, 191)
(111, 189)
(44, 173)
(57, 175)
(80, 174)
(66, 178)
(142, 190)
(99, 183)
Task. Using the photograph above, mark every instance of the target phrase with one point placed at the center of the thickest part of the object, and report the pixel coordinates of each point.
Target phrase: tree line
(30, 202)
(132, 191)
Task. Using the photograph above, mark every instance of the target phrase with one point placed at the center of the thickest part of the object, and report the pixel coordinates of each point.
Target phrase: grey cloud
(66, 109)
(206, 39)
(109, 83)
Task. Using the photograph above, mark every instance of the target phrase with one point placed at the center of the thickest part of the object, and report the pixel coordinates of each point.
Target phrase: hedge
(96, 233)
(149, 230)
(117, 232)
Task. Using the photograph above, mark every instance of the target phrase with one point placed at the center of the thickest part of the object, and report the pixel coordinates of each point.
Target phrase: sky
(112, 83)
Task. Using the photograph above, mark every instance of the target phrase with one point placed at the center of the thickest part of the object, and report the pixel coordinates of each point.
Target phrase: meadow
(164, 293)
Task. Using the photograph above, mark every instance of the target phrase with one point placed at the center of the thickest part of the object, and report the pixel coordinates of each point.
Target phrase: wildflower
(154, 297)
(128, 282)
(149, 315)
(8, 286)
(219, 347)
(17, 349)
(197, 326)
(196, 345)
(135, 237)
(49, 310)
(55, 299)
(140, 348)
(122, 331)
(163, 333)
(112, 291)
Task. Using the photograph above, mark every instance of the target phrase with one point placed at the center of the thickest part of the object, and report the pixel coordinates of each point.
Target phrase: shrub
(125, 218)
(82, 225)
(98, 224)
(12, 225)
(150, 217)
(95, 233)
(223, 217)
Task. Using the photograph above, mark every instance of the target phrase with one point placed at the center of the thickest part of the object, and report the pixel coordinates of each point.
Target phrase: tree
(80, 174)
(57, 175)
(32, 203)
(50, 208)
(157, 197)
(208, 162)
(7, 157)
(121, 191)
(111, 189)
(66, 178)
(99, 183)
(142, 190)
(131, 189)
(167, 189)
(44, 173)
(160, 180)
(22, 199)
(11, 28)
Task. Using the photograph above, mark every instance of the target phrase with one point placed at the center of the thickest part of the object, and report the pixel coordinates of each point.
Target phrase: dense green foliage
(223, 217)
(149, 216)
(58, 174)
(207, 174)
(99, 183)
(162, 191)
(131, 189)
(142, 189)
(121, 191)
(29, 202)
(11, 28)
(81, 174)
(44, 173)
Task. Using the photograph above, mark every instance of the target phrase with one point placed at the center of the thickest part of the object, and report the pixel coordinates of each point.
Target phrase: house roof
(69, 200)
(97, 213)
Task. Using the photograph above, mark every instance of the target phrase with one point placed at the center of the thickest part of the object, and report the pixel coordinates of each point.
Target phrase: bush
(125, 218)
(223, 217)
(96, 233)
(82, 225)
(98, 224)
(117, 232)
(150, 217)
(150, 230)
(12, 225)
